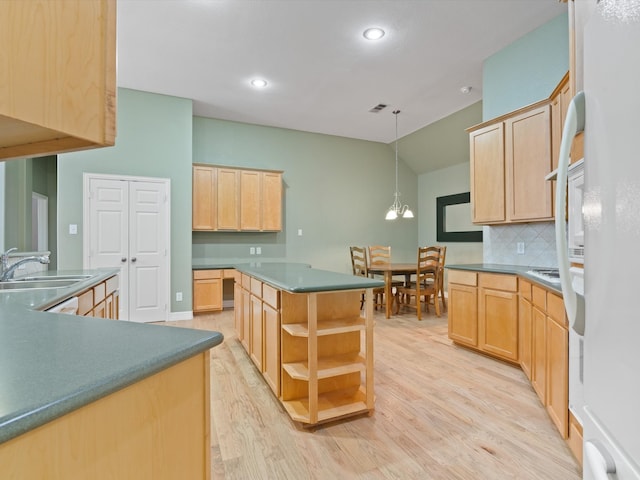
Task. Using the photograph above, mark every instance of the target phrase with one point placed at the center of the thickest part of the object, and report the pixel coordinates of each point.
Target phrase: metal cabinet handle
(123, 259)
(133, 259)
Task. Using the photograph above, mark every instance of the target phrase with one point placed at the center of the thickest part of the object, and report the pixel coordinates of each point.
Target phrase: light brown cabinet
(101, 300)
(316, 348)
(58, 78)
(232, 199)
(498, 315)
(509, 159)
(207, 290)
(525, 327)
(463, 307)
(484, 317)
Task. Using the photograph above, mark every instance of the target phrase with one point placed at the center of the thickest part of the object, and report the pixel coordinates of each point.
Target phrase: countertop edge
(23, 422)
(519, 270)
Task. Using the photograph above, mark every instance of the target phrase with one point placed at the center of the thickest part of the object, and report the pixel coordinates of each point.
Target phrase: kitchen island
(84, 397)
(304, 330)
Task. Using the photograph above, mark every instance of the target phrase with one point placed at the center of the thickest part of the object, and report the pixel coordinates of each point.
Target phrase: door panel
(108, 227)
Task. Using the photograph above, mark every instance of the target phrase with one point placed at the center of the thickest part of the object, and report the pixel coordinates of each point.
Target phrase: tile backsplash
(500, 244)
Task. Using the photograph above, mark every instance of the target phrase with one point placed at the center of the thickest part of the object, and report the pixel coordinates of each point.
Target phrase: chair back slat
(379, 255)
(359, 261)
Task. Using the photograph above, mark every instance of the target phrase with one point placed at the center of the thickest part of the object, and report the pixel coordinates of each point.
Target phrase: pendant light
(397, 209)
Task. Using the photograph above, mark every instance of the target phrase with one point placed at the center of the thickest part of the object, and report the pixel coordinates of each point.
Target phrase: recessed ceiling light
(373, 33)
(259, 83)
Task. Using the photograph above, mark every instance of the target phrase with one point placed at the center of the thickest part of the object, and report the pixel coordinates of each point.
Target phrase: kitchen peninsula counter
(81, 375)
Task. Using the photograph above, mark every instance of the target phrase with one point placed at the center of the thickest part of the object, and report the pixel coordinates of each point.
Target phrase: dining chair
(443, 254)
(427, 281)
(360, 268)
(380, 255)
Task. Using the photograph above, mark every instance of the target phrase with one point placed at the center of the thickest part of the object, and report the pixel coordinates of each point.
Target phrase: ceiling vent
(378, 108)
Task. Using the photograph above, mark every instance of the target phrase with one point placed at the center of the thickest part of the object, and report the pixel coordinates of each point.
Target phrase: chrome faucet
(7, 271)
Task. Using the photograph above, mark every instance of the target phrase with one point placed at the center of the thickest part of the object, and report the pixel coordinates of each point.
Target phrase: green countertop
(52, 364)
(507, 269)
(297, 277)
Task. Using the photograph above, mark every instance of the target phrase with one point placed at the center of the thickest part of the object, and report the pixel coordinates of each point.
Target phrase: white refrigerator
(608, 59)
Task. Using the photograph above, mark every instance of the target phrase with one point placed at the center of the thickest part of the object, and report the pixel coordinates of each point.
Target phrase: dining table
(389, 270)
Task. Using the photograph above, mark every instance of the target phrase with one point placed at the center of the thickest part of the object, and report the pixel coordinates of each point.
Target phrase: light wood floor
(442, 412)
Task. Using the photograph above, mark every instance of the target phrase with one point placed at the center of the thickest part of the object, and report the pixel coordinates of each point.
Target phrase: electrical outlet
(73, 229)
(520, 248)
(178, 296)
(299, 232)
(252, 250)
(258, 250)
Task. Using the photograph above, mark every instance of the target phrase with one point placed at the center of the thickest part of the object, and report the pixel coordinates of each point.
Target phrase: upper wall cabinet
(510, 157)
(232, 199)
(57, 76)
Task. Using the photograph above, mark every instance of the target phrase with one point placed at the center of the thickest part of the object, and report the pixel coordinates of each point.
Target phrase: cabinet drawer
(539, 297)
(524, 288)
(246, 282)
(112, 284)
(206, 274)
(555, 309)
(271, 296)
(498, 281)
(229, 273)
(463, 277)
(256, 287)
(85, 302)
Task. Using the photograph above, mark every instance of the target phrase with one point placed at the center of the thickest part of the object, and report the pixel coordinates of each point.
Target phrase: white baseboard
(174, 316)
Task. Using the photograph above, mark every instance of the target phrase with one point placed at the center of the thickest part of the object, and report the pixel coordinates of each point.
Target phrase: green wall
(337, 191)
(526, 71)
(22, 177)
(153, 140)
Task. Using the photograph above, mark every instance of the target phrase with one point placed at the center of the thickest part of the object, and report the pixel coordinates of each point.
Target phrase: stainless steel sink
(31, 278)
(25, 284)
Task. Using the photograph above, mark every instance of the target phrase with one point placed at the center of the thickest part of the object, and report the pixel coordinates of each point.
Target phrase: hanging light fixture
(397, 209)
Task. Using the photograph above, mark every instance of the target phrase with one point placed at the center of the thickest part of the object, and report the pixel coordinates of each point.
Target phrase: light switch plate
(73, 229)
(520, 248)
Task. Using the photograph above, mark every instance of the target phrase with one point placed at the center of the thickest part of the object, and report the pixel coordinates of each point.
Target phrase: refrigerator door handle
(574, 124)
(599, 460)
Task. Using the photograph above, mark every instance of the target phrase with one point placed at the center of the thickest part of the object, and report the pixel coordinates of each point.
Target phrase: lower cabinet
(498, 315)
(101, 300)
(314, 350)
(483, 312)
(207, 290)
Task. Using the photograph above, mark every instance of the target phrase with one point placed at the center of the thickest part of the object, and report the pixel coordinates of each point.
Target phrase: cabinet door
(237, 311)
(250, 200)
(204, 200)
(488, 174)
(539, 353)
(207, 291)
(228, 196)
(557, 364)
(246, 319)
(528, 161)
(525, 336)
(463, 314)
(498, 323)
(99, 311)
(271, 323)
(58, 76)
(272, 201)
(256, 343)
(557, 375)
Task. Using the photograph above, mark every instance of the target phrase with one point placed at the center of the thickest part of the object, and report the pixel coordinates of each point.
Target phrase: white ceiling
(323, 75)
